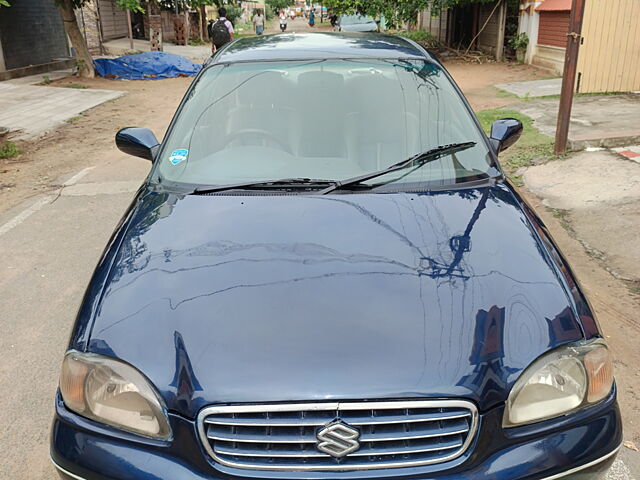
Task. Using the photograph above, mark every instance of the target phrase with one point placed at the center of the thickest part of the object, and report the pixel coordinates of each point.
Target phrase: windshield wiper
(284, 182)
(416, 160)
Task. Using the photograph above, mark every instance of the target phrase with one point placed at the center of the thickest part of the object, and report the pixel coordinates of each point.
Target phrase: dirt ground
(152, 104)
(477, 79)
(76, 145)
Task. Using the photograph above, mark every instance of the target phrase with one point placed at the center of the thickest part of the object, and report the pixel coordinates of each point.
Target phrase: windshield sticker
(178, 156)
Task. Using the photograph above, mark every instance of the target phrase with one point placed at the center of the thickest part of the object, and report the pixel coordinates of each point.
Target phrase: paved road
(49, 247)
(300, 25)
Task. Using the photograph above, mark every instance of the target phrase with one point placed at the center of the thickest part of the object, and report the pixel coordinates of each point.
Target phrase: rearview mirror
(139, 142)
(505, 132)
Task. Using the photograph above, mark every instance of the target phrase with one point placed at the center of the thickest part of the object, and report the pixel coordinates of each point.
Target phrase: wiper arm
(262, 184)
(416, 160)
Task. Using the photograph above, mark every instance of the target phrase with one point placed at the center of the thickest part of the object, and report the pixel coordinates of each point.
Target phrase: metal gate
(112, 19)
(609, 59)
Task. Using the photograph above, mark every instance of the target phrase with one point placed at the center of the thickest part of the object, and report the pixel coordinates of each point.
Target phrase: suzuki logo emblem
(338, 439)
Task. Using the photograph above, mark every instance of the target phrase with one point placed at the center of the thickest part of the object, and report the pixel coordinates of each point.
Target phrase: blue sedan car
(378, 303)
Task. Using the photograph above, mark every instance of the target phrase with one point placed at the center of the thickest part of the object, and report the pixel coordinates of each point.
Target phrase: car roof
(312, 46)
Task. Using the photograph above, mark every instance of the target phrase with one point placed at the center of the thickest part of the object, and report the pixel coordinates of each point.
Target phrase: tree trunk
(204, 36)
(83, 57)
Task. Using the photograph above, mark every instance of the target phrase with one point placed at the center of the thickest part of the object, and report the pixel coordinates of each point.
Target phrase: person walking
(221, 31)
(312, 18)
(258, 22)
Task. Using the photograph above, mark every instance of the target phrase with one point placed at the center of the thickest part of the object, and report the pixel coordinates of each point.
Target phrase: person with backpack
(221, 31)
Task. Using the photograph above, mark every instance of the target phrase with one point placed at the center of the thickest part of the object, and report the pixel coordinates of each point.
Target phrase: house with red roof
(546, 23)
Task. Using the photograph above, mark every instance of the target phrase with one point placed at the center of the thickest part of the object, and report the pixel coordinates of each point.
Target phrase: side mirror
(505, 133)
(139, 142)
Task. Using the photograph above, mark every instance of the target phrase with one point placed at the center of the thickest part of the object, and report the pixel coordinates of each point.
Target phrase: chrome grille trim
(233, 437)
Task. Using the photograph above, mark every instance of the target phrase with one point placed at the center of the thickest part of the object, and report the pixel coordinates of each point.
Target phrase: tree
(133, 6)
(278, 5)
(83, 57)
(395, 11)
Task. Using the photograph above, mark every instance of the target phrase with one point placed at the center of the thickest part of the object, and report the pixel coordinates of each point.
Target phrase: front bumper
(581, 446)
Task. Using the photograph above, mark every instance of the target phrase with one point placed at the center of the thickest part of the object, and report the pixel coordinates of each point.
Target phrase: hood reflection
(292, 298)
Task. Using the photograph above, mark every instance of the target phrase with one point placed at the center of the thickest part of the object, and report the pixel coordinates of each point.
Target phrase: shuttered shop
(553, 28)
(112, 19)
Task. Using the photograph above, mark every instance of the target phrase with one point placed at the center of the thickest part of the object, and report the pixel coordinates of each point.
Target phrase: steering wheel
(265, 136)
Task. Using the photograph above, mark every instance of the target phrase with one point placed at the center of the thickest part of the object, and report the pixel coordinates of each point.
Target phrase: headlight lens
(559, 383)
(112, 392)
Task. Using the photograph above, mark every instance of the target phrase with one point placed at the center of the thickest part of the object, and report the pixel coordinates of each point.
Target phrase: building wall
(89, 24)
(32, 33)
(113, 20)
(491, 39)
(436, 25)
(487, 39)
(529, 23)
(550, 57)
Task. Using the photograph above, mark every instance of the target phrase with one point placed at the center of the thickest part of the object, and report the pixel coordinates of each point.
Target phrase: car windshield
(326, 120)
(355, 20)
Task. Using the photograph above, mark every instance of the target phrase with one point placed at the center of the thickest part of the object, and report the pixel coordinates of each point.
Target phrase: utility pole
(569, 75)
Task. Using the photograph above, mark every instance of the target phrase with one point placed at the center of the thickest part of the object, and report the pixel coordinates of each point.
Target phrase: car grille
(393, 434)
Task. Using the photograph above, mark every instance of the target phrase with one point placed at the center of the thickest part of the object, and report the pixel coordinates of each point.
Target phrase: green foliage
(76, 85)
(532, 148)
(277, 5)
(9, 149)
(396, 12)
(131, 5)
(233, 13)
(4, 3)
(424, 38)
(519, 42)
(184, 4)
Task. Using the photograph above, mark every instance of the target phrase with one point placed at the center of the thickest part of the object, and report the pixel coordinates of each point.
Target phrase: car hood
(224, 298)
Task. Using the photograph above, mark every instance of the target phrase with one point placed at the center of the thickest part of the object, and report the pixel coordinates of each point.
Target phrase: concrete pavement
(50, 246)
(533, 88)
(589, 186)
(596, 121)
(31, 110)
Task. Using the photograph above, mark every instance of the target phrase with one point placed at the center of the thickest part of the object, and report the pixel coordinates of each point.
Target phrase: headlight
(560, 382)
(112, 392)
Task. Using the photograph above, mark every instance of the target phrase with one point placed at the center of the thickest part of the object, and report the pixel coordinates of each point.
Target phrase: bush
(519, 42)
(233, 13)
(422, 37)
(9, 150)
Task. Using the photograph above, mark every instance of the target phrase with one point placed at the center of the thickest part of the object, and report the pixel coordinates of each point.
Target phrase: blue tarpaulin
(147, 65)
